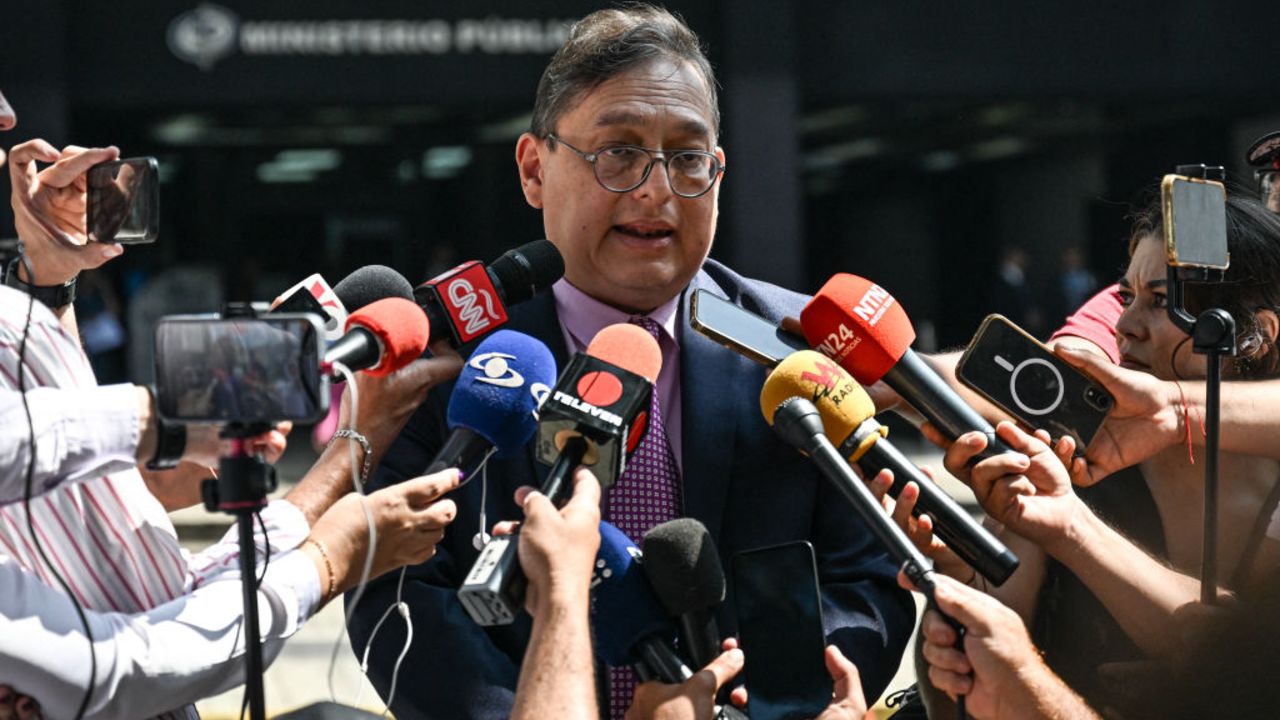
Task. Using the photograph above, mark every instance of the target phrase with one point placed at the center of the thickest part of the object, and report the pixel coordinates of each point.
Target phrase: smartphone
(1021, 376)
(1195, 222)
(123, 201)
(775, 591)
(740, 330)
(244, 370)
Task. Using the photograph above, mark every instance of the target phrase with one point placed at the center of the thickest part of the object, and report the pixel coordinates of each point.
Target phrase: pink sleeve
(1096, 320)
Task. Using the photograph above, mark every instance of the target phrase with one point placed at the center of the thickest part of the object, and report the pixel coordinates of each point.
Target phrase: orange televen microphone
(864, 329)
(847, 417)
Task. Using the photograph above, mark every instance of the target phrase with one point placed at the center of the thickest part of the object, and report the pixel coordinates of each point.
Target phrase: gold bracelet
(328, 568)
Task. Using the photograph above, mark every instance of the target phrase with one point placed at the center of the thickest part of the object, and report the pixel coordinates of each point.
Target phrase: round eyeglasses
(623, 168)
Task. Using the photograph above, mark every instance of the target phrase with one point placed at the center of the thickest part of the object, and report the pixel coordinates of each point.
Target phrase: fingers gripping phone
(123, 201)
(1027, 380)
(740, 330)
(775, 592)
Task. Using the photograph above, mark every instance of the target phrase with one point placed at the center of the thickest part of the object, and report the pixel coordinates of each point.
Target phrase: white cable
(368, 516)
(403, 607)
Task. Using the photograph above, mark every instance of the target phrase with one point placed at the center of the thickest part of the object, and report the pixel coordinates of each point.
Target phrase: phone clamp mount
(1213, 334)
(240, 488)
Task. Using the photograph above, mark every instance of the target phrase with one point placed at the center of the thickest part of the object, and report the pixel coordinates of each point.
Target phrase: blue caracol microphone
(494, 405)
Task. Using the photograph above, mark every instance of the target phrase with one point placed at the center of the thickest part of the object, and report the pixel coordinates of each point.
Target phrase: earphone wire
(403, 608)
(26, 500)
(358, 484)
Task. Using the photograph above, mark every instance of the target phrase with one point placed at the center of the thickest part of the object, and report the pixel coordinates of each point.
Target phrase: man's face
(638, 249)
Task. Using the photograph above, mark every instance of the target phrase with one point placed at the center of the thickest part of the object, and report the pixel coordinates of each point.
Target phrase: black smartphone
(775, 591)
(123, 201)
(1195, 222)
(246, 370)
(740, 330)
(1021, 376)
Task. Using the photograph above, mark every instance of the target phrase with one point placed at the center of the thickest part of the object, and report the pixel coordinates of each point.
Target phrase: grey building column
(762, 229)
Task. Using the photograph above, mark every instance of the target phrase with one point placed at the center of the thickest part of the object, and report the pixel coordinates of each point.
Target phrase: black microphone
(594, 416)
(370, 284)
(470, 300)
(683, 566)
(847, 413)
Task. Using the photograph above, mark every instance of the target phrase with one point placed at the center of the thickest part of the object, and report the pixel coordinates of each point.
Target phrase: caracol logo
(205, 35)
(496, 369)
(873, 305)
(466, 300)
(540, 392)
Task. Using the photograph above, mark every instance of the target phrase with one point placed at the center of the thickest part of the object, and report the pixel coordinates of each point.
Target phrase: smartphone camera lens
(1097, 398)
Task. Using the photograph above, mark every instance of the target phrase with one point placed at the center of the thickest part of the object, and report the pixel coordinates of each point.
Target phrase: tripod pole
(253, 637)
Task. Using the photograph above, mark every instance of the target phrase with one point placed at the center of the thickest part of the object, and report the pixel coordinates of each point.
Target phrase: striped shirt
(108, 537)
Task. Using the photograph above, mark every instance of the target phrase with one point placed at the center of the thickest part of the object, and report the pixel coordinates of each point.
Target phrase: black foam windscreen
(683, 566)
(370, 284)
(527, 270)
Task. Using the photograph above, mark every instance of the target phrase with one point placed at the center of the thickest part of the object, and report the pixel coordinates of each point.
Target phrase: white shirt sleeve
(286, 526)
(147, 663)
(80, 433)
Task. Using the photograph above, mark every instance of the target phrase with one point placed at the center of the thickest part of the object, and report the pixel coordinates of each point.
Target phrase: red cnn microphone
(471, 300)
(863, 328)
(381, 337)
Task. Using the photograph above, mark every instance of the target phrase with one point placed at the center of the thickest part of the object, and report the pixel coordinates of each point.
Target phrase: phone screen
(123, 201)
(1025, 379)
(780, 629)
(1195, 222)
(741, 330)
(240, 370)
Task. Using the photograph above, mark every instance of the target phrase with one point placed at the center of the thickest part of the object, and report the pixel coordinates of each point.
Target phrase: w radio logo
(826, 375)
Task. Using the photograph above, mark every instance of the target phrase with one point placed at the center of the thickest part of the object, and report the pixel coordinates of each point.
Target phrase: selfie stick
(240, 488)
(1213, 334)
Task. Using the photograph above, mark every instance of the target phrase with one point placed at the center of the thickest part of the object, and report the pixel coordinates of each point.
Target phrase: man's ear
(529, 151)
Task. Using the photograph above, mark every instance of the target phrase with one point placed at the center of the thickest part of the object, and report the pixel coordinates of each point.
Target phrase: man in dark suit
(622, 160)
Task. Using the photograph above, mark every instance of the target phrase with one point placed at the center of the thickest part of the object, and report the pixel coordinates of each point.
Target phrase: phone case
(1017, 384)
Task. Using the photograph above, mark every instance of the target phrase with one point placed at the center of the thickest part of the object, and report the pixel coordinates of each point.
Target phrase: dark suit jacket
(745, 485)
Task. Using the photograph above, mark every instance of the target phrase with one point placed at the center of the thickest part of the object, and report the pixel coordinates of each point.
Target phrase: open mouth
(644, 231)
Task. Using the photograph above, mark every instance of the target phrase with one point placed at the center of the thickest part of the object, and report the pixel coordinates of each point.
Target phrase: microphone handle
(953, 524)
(920, 385)
(357, 349)
(556, 484)
(699, 636)
(464, 449)
(837, 470)
(661, 660)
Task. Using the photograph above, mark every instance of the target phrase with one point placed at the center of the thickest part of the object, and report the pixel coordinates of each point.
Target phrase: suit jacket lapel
(709, 417)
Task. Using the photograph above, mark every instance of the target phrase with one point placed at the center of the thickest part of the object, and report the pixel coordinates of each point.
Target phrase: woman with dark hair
(1104, 569)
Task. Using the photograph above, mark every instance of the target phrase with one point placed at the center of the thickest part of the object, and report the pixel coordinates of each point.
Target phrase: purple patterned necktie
(647, 494)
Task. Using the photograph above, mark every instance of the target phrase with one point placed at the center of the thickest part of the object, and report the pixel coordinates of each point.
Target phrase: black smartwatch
(55, 296)
(171, 442)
